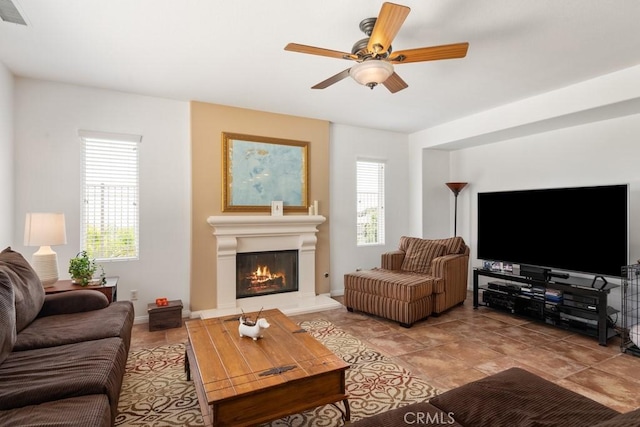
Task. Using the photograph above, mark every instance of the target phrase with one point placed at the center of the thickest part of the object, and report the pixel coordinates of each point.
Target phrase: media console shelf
(574, 303)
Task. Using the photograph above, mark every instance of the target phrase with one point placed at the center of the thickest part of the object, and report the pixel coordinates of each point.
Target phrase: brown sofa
(511, 398)
(62, 356)
(422, 277)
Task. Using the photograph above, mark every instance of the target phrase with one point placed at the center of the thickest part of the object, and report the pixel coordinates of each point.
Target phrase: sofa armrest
(453, 269)
(392, 260)
(73, 302)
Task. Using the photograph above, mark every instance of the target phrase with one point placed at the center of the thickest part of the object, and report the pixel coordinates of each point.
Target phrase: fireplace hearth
(265, 273)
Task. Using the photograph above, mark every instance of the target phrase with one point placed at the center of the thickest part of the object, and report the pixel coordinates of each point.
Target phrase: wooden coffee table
(241, 381)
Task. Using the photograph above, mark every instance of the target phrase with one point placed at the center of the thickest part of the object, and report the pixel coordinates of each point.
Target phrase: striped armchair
(421, 278)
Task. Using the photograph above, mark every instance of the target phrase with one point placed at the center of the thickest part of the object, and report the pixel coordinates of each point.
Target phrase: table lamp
(45, 230)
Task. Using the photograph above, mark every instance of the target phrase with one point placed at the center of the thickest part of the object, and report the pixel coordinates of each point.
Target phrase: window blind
(110, 195)
(370, 202)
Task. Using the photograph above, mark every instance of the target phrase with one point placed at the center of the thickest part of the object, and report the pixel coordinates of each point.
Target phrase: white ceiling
(232, 52)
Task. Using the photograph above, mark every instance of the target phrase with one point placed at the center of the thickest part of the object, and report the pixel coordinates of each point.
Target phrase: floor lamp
(456, 187)
(45, 230)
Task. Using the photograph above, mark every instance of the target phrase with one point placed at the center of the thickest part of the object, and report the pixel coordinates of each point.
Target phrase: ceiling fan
(374, 56)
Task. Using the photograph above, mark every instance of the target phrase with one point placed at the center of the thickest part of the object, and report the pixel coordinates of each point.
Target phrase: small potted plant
(82, 270)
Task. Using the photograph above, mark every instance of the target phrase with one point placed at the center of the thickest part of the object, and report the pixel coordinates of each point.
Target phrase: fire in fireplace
(263, 273)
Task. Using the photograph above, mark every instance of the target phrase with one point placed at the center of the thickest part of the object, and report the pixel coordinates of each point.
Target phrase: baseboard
(186, 314)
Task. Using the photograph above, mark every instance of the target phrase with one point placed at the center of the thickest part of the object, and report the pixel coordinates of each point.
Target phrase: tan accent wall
(208, 121)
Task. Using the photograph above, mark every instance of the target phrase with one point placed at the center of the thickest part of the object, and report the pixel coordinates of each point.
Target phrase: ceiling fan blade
(449, 51)
(388, 23)
(333, 79)
(312, 50)
(394, 83)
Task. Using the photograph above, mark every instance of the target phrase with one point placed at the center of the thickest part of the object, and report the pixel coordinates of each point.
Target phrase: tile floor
(464, 344)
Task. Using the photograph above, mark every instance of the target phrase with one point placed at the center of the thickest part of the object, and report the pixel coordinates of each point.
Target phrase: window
(370, 199)
(110, 209)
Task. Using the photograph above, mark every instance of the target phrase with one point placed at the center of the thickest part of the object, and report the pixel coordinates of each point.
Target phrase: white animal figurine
(253, 330)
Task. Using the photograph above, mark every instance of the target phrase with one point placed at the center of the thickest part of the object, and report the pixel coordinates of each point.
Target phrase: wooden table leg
(187, 368)
(346, 414)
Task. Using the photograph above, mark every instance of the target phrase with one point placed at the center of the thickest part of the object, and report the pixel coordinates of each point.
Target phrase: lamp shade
(45, 229)
(456, 187)
(372, 72)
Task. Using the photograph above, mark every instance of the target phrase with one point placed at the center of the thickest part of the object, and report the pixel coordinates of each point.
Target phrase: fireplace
(265, 273)
(244, 234)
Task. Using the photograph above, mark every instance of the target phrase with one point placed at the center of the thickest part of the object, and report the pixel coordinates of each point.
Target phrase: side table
(109, 289)
(165, 316)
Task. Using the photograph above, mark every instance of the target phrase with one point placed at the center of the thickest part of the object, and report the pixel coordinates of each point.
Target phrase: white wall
(597, 147)
(608, 97)
(348, 144)
(6, 158)
(48, 116)
(599, 153)
(47, 119)
(435, 221)
(584, 134)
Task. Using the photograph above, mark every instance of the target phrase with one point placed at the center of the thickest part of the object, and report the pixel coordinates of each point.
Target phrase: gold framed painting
(257, 170)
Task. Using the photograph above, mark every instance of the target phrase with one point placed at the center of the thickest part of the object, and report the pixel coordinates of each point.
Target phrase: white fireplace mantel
(254, 233)
(249, 225)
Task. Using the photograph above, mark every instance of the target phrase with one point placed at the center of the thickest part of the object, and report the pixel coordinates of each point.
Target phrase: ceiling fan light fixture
(372, 72)
(372, 55)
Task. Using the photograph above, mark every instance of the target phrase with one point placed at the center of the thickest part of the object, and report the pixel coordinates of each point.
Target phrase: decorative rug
(155, 391)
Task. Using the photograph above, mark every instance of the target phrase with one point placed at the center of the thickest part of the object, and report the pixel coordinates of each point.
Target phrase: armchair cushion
(452, 245)
(419, 255)
(392, 260)
(422, 277)
(28, 290)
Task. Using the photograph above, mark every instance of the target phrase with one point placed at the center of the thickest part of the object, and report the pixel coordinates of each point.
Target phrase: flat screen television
(576, 229)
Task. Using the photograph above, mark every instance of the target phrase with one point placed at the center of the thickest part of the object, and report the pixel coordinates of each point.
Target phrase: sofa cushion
(419, 255)
(7, 314)
(628, 419)
(115, 320)
(28, 290)
(43, 375)
(73, 302)
(85, 411)
(516, 397)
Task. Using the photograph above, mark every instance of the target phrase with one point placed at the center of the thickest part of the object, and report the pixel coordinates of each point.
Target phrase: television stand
(574, 303)
(559, 275)
(595, 279)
